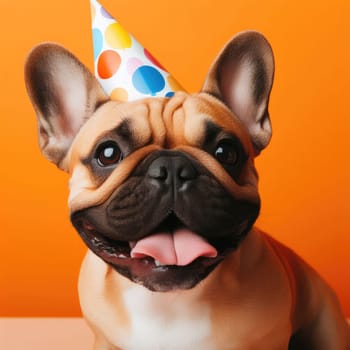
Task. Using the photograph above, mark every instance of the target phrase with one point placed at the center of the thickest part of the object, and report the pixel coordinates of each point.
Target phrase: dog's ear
(242, 77)
(64, 95)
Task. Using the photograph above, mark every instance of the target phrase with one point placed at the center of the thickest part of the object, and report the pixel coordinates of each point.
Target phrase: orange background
(305, 172)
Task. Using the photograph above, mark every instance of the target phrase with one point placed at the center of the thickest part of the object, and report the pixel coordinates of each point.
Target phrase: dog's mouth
(171, 257)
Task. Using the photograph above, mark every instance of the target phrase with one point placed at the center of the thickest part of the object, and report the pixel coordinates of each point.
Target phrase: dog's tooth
(132, 244)
(122, 256)
(158, 263)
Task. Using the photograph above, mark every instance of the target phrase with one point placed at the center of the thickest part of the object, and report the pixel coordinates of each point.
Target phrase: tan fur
(151, 124)
(260, 295)
(257, 301)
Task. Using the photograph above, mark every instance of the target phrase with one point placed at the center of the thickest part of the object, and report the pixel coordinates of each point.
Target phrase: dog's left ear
(242, 77)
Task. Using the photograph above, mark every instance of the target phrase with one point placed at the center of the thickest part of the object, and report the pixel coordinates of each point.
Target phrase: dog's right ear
(64, 94)
(242, 77)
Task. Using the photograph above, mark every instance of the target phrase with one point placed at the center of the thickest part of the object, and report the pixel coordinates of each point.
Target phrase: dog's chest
(166, 321)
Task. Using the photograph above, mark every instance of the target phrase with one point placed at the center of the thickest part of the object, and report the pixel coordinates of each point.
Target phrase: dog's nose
(175, 170)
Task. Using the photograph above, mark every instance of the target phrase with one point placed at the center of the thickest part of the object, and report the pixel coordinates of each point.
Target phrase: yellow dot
(117, 37)
(119, 94)
(174, 85)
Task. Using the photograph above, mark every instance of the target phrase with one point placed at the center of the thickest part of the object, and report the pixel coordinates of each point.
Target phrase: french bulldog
(163, 191)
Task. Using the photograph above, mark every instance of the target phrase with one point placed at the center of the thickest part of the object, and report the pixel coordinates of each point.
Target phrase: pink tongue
(178, 248)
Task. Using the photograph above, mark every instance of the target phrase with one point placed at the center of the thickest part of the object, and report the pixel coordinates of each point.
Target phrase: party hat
(124, 68)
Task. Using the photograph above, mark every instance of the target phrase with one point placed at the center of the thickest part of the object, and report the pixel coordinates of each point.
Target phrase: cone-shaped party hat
(123, 67)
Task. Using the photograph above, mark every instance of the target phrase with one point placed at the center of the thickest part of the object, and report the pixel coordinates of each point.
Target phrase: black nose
(176, 170)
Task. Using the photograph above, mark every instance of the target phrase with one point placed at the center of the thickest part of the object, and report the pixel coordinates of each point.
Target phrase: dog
(163, 191)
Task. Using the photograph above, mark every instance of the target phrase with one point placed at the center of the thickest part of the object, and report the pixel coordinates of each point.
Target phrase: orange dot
(119, 94)
(108, 64)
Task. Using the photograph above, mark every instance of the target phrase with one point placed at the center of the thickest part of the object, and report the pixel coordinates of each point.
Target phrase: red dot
(108, 64)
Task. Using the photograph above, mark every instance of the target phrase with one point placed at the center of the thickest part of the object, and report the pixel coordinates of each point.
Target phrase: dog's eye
(226, 152)
(108, 153)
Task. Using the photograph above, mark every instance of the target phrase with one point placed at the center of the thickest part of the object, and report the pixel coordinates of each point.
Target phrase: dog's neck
(227, 296)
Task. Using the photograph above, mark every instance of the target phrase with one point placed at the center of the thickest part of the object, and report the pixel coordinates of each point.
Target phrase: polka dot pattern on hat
(126, 70)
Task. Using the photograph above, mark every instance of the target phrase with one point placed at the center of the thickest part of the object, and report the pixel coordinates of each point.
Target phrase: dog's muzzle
(168, 225)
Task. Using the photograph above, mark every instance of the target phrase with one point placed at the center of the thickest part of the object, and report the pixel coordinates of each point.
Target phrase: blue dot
(169, 94)
(97, 38)
(148, 80)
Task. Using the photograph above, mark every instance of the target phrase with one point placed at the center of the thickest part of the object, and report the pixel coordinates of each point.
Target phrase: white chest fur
(166, 321)
(222, 312)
